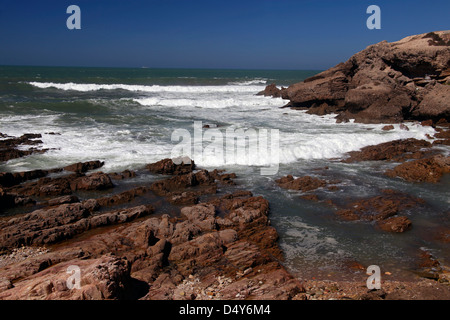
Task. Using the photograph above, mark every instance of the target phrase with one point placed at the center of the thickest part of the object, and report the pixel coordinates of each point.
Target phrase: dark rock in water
(427, 123)
(168, 166)
(392, 150)
(8, 179)
(383, 209)
(304, 184)
(272, 91)
(423, 170)
(11, 179)
(387, 128)
(182, 182)
(123, 175)
(395, 224)
(225, 178)
(385, 83)
(84, 166)
(9, 147)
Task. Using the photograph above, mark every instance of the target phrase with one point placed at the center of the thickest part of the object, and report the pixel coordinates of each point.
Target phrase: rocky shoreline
(384, 83)
(192, 234)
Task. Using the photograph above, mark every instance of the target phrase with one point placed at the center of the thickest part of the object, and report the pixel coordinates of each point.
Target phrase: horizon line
(160, 68)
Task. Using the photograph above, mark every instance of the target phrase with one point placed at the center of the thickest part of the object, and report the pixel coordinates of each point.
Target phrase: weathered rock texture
(385, 83)
(221, 248)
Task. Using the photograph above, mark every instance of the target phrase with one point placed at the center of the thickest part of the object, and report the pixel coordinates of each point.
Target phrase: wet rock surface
(10, 146)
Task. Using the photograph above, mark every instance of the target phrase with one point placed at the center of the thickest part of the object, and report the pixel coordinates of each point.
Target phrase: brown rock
(304, 184)
(394, 150)
(83, 167)
(272, 91)
(311, 197)
(168, 166)
(102, 278)
(422, 170)
(61, 223)
(379, 84)
(383, 209)
(395, 224)
(9, 147)
(94, 181)
(427, 123)
(122, 197)
(123, 175)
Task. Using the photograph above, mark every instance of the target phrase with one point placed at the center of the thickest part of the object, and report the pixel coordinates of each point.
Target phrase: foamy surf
(85, 87)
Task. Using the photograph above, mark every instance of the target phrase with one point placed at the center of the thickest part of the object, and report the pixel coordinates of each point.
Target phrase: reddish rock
(123, 175)
(103, 278)
(168, 166)
(422, 170)
(395, 224)
(404, 127)
(61, 223)
(83, 167)
(62, 200)
(9, 147)
(123, 197)
(394, 150)
(311, 197)
(387, 128)
(427, 123)
(304, 184)
(94, 181)
(385, 83)
(177, 185)
(272, 91)
(383, 209)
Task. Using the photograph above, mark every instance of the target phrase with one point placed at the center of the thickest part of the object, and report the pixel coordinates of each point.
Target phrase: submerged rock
(304, 184)
(422, 170)
(396, 150)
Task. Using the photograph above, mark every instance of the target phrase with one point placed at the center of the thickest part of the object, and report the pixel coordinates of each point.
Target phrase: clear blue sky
(256, 34)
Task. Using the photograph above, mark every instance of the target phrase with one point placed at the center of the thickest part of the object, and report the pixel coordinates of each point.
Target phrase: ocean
(127, 118)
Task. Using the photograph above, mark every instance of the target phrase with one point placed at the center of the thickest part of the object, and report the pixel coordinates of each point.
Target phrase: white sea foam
(248, 82)
(302, 136)
(85, 87)
(218, 103)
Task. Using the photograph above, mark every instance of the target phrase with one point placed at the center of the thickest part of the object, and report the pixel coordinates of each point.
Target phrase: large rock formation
(385, 83)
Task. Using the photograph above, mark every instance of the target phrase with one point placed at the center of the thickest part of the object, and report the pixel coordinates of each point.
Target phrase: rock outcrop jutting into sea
(384, 83)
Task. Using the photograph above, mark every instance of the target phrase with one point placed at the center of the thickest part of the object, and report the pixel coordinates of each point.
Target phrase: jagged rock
(61, 223)
(395, 224)
(103, 278)
(393, 150)
(304, 184)
(272, 91)
(385, 83)
(84, 166)
(422, 170)
(168, 166)
(383, 209)
(9, 147)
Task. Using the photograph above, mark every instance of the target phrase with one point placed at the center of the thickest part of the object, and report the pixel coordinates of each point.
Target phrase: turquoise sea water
(126, 117)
